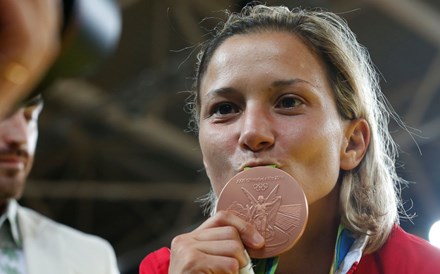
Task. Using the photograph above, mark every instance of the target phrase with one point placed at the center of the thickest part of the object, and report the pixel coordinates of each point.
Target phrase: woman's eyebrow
(289, 82)
(221, 91)
(275, 84)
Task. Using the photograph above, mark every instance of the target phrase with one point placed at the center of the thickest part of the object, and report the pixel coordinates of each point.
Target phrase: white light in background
(434, 234)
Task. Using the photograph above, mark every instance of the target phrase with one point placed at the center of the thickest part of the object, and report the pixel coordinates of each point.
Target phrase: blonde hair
(369, 197)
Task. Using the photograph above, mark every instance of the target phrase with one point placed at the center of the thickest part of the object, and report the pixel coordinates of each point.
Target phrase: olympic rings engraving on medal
(260, 186)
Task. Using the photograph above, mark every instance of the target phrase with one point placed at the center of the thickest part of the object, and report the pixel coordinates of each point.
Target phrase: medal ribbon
(343, 243)
(265, 266)
(348, 252)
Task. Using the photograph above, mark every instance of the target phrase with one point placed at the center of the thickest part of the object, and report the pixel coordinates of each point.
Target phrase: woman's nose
(257, 131)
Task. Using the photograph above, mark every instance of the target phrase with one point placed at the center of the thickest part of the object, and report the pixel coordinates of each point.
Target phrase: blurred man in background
(29, 242)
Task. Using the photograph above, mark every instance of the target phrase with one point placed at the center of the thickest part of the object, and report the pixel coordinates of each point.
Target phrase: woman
(294, 89)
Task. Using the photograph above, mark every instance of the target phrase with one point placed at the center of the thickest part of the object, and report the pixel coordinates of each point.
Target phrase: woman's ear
(357, 139)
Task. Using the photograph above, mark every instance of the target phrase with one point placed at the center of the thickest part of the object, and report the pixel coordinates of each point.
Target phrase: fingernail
(258, 239)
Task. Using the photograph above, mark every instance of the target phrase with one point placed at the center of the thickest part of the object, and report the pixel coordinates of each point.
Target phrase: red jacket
(403, 253)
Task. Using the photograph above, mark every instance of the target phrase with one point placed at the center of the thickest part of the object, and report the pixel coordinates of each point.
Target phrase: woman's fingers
(189, 254)
(249, 235)
(199, 262)
(217, 246)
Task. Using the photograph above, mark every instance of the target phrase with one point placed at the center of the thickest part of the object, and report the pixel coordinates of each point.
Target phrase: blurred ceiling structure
(114, 157)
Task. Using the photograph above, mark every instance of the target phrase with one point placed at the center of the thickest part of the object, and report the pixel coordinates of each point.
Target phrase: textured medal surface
(273, 201)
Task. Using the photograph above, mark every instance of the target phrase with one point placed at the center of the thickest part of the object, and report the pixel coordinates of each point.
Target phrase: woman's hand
(29, 43)
(216, 246)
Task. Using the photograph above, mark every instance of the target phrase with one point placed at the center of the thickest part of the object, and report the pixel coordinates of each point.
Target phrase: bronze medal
(273, 201)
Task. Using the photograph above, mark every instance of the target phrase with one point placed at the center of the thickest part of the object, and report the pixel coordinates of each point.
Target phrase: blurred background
(114, 158)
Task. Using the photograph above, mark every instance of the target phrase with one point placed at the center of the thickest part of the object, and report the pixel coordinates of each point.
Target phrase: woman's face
(265, 99)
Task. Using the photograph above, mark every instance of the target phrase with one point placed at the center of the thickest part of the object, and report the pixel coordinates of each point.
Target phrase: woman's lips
(257, 164)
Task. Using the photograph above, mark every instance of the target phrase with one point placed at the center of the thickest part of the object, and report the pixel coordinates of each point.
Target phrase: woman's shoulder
(402, 242)
(402, 253)
(156, 262)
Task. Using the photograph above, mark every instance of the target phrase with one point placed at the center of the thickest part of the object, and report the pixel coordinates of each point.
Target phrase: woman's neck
(314, 252)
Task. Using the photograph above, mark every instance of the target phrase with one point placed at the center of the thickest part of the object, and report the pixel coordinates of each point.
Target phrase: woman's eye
(289, 102)
(224, 109)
